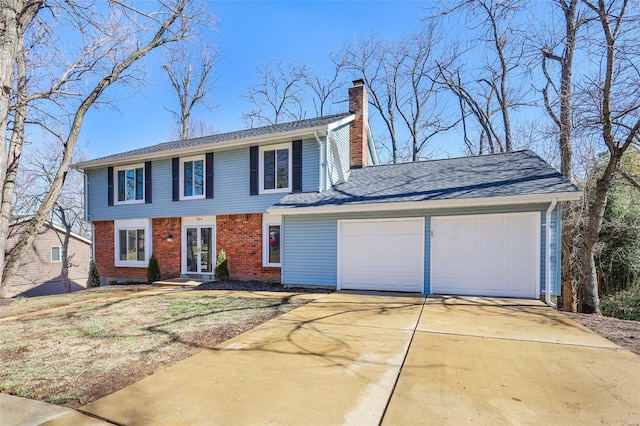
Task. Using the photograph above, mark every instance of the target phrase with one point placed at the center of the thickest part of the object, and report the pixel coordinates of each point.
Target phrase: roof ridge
(462, 157)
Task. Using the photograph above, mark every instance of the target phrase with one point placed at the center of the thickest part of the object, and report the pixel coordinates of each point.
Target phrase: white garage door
(486, 255)
(381, 254)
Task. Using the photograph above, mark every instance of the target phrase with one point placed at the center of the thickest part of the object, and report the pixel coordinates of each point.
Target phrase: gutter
(547, 254)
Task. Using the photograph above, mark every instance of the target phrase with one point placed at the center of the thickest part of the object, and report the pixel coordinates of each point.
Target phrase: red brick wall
(168, 254)
(359, 106)
(105, 256)
(240, 236)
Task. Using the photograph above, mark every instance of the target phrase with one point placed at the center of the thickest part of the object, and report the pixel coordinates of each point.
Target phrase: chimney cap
(358, 82)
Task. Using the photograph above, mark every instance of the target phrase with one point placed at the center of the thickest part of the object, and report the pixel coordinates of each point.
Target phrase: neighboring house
(40, 271)
(306, 203)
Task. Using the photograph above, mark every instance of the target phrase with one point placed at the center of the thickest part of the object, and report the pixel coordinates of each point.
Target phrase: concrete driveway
(381, 359)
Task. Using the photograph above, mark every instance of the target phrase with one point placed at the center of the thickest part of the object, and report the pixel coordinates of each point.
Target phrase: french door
(199, 249)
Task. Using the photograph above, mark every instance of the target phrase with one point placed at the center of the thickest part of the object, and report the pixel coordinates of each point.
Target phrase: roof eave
(215, 146)
(430, 204)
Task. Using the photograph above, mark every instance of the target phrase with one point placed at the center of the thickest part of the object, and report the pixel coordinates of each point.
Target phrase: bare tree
(366, 58)
(191, 79)
(58, 100)
(561, 98)
(401, 78)
(493, 89)
(611, 106)
(279, 94)
(325, 89)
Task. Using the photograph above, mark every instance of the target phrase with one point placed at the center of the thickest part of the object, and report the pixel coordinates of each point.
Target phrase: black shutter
(296, 161)
(253, 170)
(147, 183)
(209, 173)
(175, 177)
(110, 186)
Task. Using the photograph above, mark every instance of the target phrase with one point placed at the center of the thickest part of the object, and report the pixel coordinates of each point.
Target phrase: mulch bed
(621, 332)
(259, 286)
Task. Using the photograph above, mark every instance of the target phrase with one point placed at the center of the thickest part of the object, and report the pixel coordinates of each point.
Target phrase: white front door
(198, 246)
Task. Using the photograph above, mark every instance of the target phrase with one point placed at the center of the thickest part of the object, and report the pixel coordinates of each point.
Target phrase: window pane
(198, 178)
(188, 178)
(139, 183)
(131, 185)
(192, 249)
(131, 245)
(283, 168)
(123, 245)
(274, 243)
(55, 254)
(140, 244)
(121, 185)
(206, 251)
(269, 170)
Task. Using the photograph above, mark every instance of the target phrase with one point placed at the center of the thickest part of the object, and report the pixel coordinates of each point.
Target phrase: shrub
(129, 282)
(153, 270)
(112, 281)
(624, 304)
(222, 269)
(94, 276)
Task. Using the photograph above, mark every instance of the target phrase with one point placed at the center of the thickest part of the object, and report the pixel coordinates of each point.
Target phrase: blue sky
(250, 33)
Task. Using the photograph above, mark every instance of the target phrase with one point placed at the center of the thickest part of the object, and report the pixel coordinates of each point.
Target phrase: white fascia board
(430, 204)
(342, 122)
(200, 149)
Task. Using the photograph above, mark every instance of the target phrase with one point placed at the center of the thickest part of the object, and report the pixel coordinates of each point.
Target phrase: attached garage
(381, 254)
(486, 255)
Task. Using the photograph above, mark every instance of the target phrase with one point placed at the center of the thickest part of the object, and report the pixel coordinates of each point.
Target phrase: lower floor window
(132, 242)
(272, 241)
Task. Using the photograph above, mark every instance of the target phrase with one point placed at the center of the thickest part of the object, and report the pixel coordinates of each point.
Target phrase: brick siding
(358, 133)
(240, 236)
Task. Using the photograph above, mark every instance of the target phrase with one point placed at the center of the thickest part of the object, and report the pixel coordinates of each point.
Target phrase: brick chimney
(359, 105)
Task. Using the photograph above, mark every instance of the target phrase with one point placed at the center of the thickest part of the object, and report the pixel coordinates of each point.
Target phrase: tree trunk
(65, 260)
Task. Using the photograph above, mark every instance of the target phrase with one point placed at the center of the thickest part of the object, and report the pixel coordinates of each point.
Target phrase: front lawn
(75, 355)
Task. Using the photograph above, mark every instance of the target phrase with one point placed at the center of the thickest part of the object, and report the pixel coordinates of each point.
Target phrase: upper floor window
(130, 184)
(275, 168)
(192, 177)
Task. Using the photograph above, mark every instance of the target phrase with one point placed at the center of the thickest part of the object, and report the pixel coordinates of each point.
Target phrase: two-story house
(306, 203)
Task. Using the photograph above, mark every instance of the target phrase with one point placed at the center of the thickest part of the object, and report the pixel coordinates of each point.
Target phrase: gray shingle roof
(511, 174)
(223, 137)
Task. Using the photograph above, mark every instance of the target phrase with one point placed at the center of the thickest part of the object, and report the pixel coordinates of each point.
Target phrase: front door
(199, 249)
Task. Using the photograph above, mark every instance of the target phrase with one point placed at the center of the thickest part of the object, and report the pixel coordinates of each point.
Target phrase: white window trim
(268, 220)
(59, 254)
(204, 177)
(128, 224)
(116, 183)
(261, 168)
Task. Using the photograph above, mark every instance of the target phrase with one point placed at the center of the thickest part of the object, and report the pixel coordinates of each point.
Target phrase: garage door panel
(493, 255)
(381, 254)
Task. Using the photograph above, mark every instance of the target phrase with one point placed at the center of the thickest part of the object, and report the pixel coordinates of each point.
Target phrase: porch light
(169, 238)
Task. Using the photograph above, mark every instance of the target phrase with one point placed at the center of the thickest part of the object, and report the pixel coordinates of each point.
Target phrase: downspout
(547, 255)
(320, 174)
